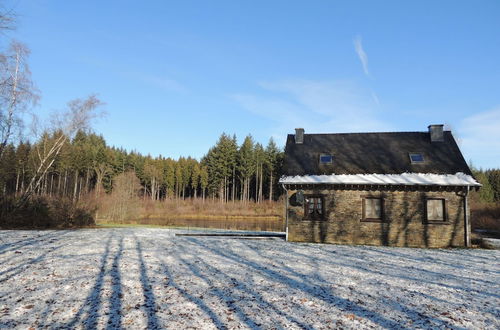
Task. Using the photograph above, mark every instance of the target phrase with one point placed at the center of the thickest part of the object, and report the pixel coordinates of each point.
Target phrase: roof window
(416, 158)
(325, 159)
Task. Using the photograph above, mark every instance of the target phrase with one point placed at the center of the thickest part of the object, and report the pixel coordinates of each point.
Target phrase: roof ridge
(351, 133)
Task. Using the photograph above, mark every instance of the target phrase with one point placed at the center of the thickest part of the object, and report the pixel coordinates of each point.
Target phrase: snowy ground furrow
(149, 278)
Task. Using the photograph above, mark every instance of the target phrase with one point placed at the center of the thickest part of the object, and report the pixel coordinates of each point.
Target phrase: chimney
(299, 135)
(436, 133)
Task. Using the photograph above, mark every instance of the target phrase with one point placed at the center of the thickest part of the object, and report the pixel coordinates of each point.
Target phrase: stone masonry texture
(404, 222)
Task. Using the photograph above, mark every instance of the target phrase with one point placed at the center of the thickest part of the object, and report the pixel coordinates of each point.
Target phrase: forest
(86, 170)
(485, 203)
(86, 164)
(58, 172)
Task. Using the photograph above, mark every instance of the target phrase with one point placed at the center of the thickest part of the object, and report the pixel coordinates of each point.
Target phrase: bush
(486, 217)
(44, 212)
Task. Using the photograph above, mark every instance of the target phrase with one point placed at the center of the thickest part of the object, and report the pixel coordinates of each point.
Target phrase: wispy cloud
(160, 82)
(375, 98)
(480, 138)
(154, 80)
(358, 47)
(318, 106)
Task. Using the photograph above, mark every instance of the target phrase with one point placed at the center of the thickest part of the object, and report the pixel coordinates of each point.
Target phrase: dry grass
(267, 216)
(486, 217)
(46, 212)
(190, 209)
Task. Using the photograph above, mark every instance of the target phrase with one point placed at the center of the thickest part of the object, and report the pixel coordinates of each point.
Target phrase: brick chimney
(299, 136)
(436, 133)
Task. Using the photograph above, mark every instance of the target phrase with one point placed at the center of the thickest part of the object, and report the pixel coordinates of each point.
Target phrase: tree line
(66, 159)
(86, 164)
(490, 179)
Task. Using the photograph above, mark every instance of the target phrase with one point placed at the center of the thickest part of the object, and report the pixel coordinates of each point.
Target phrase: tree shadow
(92, 303)
(318, 291)
(170, 281)
(115, 317)
(200, 266)
(147, 290)
(357, 263)
(22, 267)
(7, 247)
(354, 263)
(456, 222)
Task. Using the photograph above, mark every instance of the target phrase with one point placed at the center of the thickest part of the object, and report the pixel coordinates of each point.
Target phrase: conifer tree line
(490, 179)
(87, 165)
(68, 160)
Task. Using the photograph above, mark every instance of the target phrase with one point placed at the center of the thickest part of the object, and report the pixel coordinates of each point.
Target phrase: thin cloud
(480, 138)
(160, 82)
(375, 98)
(318, 106)
(358, 47)
(154, 80)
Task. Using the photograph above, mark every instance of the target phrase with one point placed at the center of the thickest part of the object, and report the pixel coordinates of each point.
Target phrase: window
(416, 158)
(325, 159)
(373, 209)
(436, 210)
(313, 208)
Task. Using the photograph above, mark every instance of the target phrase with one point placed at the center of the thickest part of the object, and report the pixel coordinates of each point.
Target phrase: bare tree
(17, 91)
(7, 19)
(126, 188)
(101, 169)
(78, 116)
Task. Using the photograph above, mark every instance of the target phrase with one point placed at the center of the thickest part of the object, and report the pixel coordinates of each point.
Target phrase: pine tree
(246, 166)
(203, 180)
(494, 180)
(169, 176)
(272, 154)
(195, 177)
(486, 193)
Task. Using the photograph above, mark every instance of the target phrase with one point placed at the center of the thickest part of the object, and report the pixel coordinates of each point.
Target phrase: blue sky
(175, 75)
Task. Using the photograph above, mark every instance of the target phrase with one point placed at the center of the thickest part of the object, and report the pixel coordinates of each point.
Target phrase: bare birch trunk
(51, 184)
(17, 181)
(271, 185)
(75, 189)
(260, 183)
(233, 184)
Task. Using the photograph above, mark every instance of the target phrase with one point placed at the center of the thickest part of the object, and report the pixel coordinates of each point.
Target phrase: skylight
(416, 158)
(325, 159)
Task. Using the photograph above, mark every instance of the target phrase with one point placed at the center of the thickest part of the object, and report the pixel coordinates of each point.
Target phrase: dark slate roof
(368, 153)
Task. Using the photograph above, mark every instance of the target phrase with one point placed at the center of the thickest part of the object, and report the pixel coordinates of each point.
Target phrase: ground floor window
(436, 209)
(314, 207)
(373, 208)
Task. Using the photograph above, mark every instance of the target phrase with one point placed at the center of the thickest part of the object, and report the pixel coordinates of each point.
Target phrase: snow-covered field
(138, 278)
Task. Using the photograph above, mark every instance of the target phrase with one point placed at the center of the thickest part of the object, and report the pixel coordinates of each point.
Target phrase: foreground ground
(138, 278)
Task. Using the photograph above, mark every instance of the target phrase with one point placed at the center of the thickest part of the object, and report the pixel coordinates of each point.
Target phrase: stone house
(396, 189)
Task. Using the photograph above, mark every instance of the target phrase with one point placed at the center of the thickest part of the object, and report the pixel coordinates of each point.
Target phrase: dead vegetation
(45, 212)
(485, 218)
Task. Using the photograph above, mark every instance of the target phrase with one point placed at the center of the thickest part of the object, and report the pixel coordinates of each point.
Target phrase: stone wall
(404, 221)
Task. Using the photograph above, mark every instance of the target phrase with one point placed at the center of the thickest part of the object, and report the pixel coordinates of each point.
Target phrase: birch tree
(78, 116)
(6, 19)
(17, 90)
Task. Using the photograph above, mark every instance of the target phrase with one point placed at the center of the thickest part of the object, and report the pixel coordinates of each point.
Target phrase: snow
(491, 243)
(458, 179)
(149, 278)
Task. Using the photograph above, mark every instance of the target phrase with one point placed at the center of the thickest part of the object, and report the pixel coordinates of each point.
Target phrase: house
(396, 188)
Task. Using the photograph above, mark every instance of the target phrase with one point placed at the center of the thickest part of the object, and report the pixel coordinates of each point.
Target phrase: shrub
(486, 216)
(44, 212)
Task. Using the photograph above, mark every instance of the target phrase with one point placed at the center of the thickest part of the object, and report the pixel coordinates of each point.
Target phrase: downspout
(286, 211)
(466, 217)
